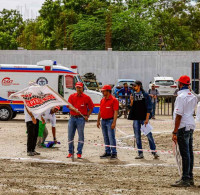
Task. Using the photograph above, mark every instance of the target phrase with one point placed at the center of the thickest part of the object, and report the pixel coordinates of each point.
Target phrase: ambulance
(14, 78)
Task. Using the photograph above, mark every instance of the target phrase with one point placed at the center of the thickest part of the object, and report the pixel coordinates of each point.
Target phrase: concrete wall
(112, 65)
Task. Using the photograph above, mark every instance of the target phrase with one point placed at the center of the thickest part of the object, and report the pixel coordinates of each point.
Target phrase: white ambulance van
(14, 78)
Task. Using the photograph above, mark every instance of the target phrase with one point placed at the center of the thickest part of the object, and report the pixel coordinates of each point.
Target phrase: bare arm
(131, 98)
(43, 121)
(147, 119)
(177, 124)
(54, 133)
(98, 120)
(115, 119)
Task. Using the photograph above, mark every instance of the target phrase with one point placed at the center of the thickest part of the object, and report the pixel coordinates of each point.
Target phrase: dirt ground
(53, 173)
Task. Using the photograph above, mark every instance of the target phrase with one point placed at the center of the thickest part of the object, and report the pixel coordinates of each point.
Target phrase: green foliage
(10, 28)
(126, 25)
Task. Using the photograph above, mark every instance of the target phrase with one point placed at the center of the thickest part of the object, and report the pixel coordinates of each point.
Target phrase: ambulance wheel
(14, 115)
(5, 113)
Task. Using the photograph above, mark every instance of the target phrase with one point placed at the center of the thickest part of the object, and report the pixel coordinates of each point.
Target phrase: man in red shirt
(109, 107)
(83, 107)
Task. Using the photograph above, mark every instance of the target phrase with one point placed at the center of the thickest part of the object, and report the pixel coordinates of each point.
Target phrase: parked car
(120, 83)
(164, 85)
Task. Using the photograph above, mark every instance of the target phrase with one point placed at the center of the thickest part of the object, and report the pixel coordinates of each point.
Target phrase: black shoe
(191, 181)
(105, 155)
(182, 183)
(140, 156)
(156, 156)
(30, 154)
(113, 156)
(36, 153)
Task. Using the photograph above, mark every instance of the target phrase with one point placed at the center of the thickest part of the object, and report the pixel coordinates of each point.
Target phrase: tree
(11, 23)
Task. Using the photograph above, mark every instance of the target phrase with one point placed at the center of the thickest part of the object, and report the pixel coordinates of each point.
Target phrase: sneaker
(191, 181)
(69, 155)
(113, 156)
(156, 156)
(105, 155)
(140, 156)
(79, 156)
(181, 183)
(30, 154)
(36, 153)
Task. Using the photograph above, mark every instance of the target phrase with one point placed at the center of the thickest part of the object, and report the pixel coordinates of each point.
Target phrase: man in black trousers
(32, 124)
(185, 105)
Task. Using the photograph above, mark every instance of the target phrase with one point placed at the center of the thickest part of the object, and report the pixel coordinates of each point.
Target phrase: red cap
(57, 107)
(106, 87)
(184, 79)
(79, 84)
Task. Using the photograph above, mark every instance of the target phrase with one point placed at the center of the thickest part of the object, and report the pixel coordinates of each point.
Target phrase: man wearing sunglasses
(140, 113)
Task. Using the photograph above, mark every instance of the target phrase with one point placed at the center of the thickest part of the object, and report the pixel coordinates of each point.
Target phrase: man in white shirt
(32, 124)
(49, 116)
(185, 105)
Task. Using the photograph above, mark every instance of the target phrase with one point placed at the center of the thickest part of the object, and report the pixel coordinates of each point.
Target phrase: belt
(77, 116)
(107, 119)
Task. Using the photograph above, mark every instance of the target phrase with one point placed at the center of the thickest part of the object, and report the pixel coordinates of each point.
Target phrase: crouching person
(140, 111)
(109, 107)
(32, 124)
(47, 116)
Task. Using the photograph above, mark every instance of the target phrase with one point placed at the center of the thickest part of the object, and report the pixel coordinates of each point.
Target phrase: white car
(164, 85)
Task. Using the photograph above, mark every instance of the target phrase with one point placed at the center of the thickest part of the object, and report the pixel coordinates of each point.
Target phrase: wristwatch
(174, 133)
(54, 138)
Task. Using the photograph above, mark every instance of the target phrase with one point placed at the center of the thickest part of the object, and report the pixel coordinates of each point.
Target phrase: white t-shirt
(28, 117)
(185, 105)
(48, 117)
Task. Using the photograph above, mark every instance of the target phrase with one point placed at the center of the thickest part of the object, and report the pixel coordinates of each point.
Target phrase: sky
(28, 8)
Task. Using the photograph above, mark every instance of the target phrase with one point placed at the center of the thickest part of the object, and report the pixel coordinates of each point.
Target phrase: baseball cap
(79, 84)
(57, 107)
(106, 87)
(184, 79)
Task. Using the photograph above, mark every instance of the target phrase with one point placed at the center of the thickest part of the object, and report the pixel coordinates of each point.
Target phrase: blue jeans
(109, 136)
(79, 124)
(185, 142)
(153, 109)
(137, 131)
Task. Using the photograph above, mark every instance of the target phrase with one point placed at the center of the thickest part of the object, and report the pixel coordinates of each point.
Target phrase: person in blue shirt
(126, 91)
(116, 90)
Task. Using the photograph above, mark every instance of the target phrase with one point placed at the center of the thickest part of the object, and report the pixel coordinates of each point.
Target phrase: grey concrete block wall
(112, 65)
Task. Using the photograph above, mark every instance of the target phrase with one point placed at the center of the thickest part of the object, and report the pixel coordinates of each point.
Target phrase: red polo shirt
(108, 106)
(82, 102)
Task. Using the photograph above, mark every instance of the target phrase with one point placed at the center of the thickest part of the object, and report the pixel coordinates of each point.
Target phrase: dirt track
(90, 175)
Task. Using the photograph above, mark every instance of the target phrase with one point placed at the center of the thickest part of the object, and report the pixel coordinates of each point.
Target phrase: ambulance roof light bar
(75, 68)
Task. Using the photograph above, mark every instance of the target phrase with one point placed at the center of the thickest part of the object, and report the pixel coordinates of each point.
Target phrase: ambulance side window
(70, 81)
(60, 86)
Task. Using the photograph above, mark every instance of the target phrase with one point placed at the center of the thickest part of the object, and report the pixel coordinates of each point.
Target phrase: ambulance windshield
(80, 79)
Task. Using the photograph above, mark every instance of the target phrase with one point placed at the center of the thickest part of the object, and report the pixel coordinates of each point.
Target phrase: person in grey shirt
(153, 93)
